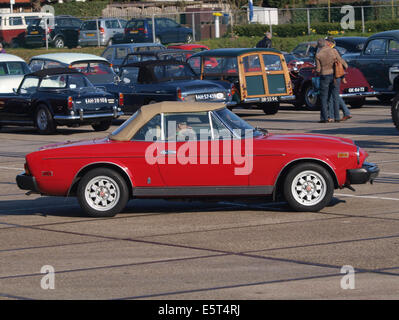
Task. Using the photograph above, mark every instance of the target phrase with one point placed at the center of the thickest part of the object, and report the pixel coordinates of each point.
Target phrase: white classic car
(12, 71)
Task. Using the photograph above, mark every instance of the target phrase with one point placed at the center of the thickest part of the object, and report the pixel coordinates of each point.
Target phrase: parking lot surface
(160, 249)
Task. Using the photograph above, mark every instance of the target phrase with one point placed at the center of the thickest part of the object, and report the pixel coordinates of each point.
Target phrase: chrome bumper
(82, 116)
(358, 94)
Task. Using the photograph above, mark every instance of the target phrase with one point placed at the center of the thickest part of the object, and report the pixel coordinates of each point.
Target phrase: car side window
(129, 75)
(393, 47)
(36, 65)
(375, 47)
(187, 126)
(16, 21)
(121, 53)
(29, 85)
(171, 24)
(108, 53)
(58, 81)
(52, 64)
(151, 131)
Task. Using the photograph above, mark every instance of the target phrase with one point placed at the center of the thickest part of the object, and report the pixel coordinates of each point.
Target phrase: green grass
(283, 44)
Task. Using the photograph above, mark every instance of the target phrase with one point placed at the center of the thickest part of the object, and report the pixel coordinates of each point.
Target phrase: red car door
(194, 156)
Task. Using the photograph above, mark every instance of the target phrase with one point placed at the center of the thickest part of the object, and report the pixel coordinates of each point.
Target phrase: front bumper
(368, 172)
(26, 182)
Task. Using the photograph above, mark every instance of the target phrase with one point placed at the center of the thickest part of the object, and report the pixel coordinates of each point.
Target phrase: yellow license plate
(34, 32)
(134, 31)
(90, 34)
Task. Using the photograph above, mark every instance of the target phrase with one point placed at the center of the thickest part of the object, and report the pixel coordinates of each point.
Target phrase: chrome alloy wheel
(308, 188)
(102, 193)
(42, 119)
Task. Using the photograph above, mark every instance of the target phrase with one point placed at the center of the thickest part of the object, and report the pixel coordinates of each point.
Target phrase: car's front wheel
(312, 101)
(189, 38)
(59, 42)
(102, 192)
(308, 187)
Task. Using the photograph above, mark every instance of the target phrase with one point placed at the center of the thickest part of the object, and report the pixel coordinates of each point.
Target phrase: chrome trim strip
(357, 94)
(99, 162)
(87, 116)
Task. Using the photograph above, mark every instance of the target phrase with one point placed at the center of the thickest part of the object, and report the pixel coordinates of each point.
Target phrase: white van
(13, 26)
(12, 71)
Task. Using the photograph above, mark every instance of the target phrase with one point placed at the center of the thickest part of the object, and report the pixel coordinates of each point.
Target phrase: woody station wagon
(260, 76)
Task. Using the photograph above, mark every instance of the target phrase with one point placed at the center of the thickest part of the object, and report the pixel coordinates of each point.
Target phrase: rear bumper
(26, 182)
(81, 116)
(358, 94)
(269, 99)
(368, 172)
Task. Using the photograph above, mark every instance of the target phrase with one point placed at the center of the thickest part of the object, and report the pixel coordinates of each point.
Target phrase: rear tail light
(70, 103)
(26, 167)
(49, 30)
(121, 100)
(179, 95)
(102, 31)
(233, 90)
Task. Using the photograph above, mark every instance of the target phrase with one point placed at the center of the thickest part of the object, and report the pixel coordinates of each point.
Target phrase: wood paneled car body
(195, 150)
(260, 76)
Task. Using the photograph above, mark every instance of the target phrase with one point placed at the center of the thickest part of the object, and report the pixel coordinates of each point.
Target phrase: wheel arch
(109, 165)
(283, 173)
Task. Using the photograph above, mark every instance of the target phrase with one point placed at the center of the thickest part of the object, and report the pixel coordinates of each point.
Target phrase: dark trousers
(329, 89)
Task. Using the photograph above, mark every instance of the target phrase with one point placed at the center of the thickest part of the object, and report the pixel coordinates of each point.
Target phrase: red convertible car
(195, 150)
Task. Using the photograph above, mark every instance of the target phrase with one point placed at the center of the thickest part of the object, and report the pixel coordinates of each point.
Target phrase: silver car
(101, 31)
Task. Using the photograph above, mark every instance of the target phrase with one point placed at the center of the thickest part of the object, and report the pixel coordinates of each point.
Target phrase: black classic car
(58, 96)
(167, 54)
(153, 81)
(379, 63)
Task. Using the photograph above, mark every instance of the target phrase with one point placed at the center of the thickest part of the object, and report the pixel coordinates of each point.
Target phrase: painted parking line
(365, 197)
(11, 168)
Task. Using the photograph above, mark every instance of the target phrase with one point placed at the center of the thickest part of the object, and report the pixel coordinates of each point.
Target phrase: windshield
(173, 72)
(97, 72)
(13, 68)
(238, 125)
(62, 81)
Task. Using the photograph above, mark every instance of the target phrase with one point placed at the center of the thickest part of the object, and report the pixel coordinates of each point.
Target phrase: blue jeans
(341, 104)
(329, 88)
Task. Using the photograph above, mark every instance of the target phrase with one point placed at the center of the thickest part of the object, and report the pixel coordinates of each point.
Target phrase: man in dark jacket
(266, 42)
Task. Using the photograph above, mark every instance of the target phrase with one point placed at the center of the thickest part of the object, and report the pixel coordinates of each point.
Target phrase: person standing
(325, 59)
(341, 103)
(1, 48)
(266, 42)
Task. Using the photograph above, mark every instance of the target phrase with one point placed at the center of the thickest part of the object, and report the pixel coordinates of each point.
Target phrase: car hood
(74, 143)
(8, 83)
(319, 139)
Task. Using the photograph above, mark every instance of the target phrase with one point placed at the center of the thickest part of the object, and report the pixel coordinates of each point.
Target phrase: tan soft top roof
(147, 112)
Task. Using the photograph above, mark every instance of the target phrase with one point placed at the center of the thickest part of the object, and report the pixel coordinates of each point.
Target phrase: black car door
(372, 63)
(392, 63)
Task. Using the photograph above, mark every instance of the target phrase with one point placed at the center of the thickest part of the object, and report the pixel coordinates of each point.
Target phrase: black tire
(107, 188)
(395, 111)
(59, 42)
(44, 121)
(158, 40)
(358, 103)
(101, 126)
(308, 180)
(385, 98)
(189, 38)
(270, 108)
(312, 101)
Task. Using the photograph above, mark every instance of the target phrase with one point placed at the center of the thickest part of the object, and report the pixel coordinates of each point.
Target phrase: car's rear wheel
(59, 42)
(44, 121)
(308, 187)
(102, 192)
(395, 111)
(189, 38)
(102, 125)
(270, 108)
(311, 98)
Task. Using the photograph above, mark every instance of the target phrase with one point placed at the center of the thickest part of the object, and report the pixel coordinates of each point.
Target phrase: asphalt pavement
(160, 249)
